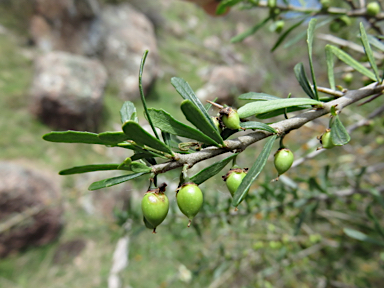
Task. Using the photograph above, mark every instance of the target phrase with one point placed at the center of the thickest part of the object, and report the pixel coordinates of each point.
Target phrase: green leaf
(73, 137)
(285, 34)
(258, 126)
(128, 112)
(90, 168)
(368, 51)
(339, 134)
(254, 172)
(311, 28)
(373, 218)
(303, 80)
(281, 111)
(361, 236)
(114, 181)
(222, 7)
(185, 91)
(257, 96)
(350, 61)
(196, 117)
(375, 42)
(165, 122)
(330, 64)
(142, 93)
(137, 167)
(211, 171)
(255, 108)
(250, 31)
(112, 137)
(135, 132)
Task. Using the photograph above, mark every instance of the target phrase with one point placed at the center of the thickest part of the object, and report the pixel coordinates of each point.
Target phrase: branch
(284, 127)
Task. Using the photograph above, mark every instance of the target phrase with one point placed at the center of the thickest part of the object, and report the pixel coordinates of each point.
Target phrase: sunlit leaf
(114, 181)
(311, 28)
(330, 64)
(91, 168)
(73, 137)
(112, 137)
(257, 96)
(368, 51)
(285, 34)
(361, 236)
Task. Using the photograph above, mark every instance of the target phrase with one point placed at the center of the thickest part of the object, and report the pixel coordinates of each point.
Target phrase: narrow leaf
(375, 42)
(281, 111)
(137, 167)
(361, 236)
(254, 108)
(222, 7)
(351, 62)
(90, 168)
(142, 93)
(254, 172)
(258, 126)
(196, 117)
(303, 80)
(339, 134)
(330, 64)
(73, 137)
(257, 96)
(311, 28)
(285, 34)
(250, 31)
(114, 181)
(113, 137)
(165, 122)
(128, 112)
(135, 132)
(185, 91)
(211, 171)
(368, 51)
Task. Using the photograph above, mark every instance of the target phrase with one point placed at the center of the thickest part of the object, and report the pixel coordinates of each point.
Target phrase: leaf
(339, 134)
(255, 108)
(112, 137)
(257, 96)
(137, 167)
(73, 137)
(90, 168)
(114, 181)
(311, 28)
(185, 91)
(350, 61)
(361, 236)
(128, 112)
(254, 172)
(142, 93)
(135, 132)
(285, 34)
(250, 31)
(281, 111)
(303, 80)
(196, 117)
(212, 170)
(368, 51)
(165, 122)
(330, 64)
(223, 5)
(375, 42)
(258, 126)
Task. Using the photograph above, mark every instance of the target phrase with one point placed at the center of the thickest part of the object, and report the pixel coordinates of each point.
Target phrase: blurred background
(71, 65)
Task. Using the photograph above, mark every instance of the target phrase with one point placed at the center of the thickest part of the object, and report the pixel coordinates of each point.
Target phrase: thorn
(215, 104)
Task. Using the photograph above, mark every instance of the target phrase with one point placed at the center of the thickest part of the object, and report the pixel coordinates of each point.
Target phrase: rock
(225, 82)
(67, 91)
(127, 34)
(30, 208)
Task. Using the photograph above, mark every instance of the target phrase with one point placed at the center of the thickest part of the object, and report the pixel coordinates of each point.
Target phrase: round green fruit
(230, 118)
(335, 26)
(189, 199)
(326, 140)
(155, 207)
(373, 9)
(347, 78)
(283, 160)
(234, 178)
(279, 26)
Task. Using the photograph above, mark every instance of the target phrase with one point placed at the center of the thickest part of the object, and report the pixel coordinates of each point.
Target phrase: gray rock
(30, 208)
(67, 91)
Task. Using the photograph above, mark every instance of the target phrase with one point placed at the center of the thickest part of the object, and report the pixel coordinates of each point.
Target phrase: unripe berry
(230, 118)
(283, 160)
(279, 26)
(189, 199)
(326, 140)
(155, 207)
(233, 179)
(373, 9)
(347, 78)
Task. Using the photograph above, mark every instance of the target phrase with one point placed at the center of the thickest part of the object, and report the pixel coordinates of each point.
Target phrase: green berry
(326, 140)
(155, 207)
(373, 9)
(189, 199)
(335, 26)
(234, 178)
(230, 118)
(283, 160)
(279, 26)
(345, 21)
(348, 78)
